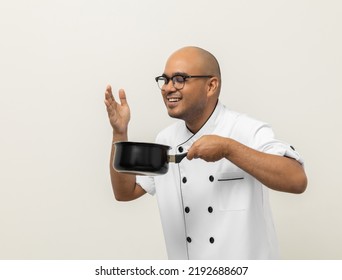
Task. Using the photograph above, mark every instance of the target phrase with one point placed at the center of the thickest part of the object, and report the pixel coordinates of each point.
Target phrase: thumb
(190, 154)
(122, 96)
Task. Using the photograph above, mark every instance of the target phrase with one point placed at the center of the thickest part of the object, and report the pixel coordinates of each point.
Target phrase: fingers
(109, 88)
(195, 149)
(122, 96)
(191, 154)
(109, 98)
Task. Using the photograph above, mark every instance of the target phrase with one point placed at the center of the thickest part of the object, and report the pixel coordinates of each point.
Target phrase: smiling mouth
(173, 99)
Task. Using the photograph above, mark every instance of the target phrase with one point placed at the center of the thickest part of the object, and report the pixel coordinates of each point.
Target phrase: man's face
(188, 103)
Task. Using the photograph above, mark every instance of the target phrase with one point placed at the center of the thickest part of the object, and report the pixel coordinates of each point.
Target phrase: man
(213, 204)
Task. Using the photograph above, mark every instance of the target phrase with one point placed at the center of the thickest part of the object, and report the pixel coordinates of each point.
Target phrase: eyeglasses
(178, 80)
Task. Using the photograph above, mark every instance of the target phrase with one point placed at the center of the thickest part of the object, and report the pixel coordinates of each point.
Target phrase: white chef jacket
(216, 210)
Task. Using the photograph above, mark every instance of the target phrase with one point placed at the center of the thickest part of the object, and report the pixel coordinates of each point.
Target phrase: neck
(195, 125)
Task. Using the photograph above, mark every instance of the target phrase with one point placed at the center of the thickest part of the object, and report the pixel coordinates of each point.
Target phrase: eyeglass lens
(177, 81)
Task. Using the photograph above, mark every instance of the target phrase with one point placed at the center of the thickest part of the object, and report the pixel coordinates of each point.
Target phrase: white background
(281, 63)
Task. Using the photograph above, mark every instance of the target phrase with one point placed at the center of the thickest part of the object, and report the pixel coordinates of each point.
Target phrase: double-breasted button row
(211, 179)
(187, 209)
(211, 239)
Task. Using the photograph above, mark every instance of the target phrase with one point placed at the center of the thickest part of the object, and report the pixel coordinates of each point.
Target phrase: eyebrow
(177, 73)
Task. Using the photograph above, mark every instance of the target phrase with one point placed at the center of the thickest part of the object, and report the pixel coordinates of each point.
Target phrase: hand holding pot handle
(210, 148)
(118, 113)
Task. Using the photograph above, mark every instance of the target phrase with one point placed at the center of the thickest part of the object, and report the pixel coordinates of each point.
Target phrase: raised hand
(118, 114)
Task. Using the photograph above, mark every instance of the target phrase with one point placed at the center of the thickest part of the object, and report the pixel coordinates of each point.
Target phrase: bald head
(201, 59)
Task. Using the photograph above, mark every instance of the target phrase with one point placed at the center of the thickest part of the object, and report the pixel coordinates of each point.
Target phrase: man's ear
(213, 86)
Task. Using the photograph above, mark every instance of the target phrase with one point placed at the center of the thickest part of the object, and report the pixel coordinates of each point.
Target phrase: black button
(180, 149)
(187, 209)
(210, 209)
(188, 239)
(211, 178)
(211, 240)
(184, 180)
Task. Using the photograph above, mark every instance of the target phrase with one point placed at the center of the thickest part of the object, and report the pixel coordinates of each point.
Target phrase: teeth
(173, 99)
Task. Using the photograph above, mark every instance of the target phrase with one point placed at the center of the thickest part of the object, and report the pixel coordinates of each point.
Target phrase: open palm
(118, 113)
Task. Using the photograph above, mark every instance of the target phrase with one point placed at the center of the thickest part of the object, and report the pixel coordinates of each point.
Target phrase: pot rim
(142, 144)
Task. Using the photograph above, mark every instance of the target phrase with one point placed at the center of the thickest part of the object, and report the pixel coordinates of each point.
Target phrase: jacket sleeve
(265, 141)
(147, 183)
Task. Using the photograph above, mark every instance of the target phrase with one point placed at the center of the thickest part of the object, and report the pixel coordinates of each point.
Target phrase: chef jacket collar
(207, 128)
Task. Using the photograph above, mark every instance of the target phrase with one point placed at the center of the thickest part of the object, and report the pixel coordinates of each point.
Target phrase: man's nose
(169, 86)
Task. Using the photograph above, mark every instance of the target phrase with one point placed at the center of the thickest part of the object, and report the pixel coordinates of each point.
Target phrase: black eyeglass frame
(184, 76)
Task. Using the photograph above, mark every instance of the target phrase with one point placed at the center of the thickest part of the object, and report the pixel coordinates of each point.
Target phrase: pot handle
(176, 158)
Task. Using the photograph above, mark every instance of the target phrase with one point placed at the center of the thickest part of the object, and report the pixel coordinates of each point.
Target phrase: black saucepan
(143, 158)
